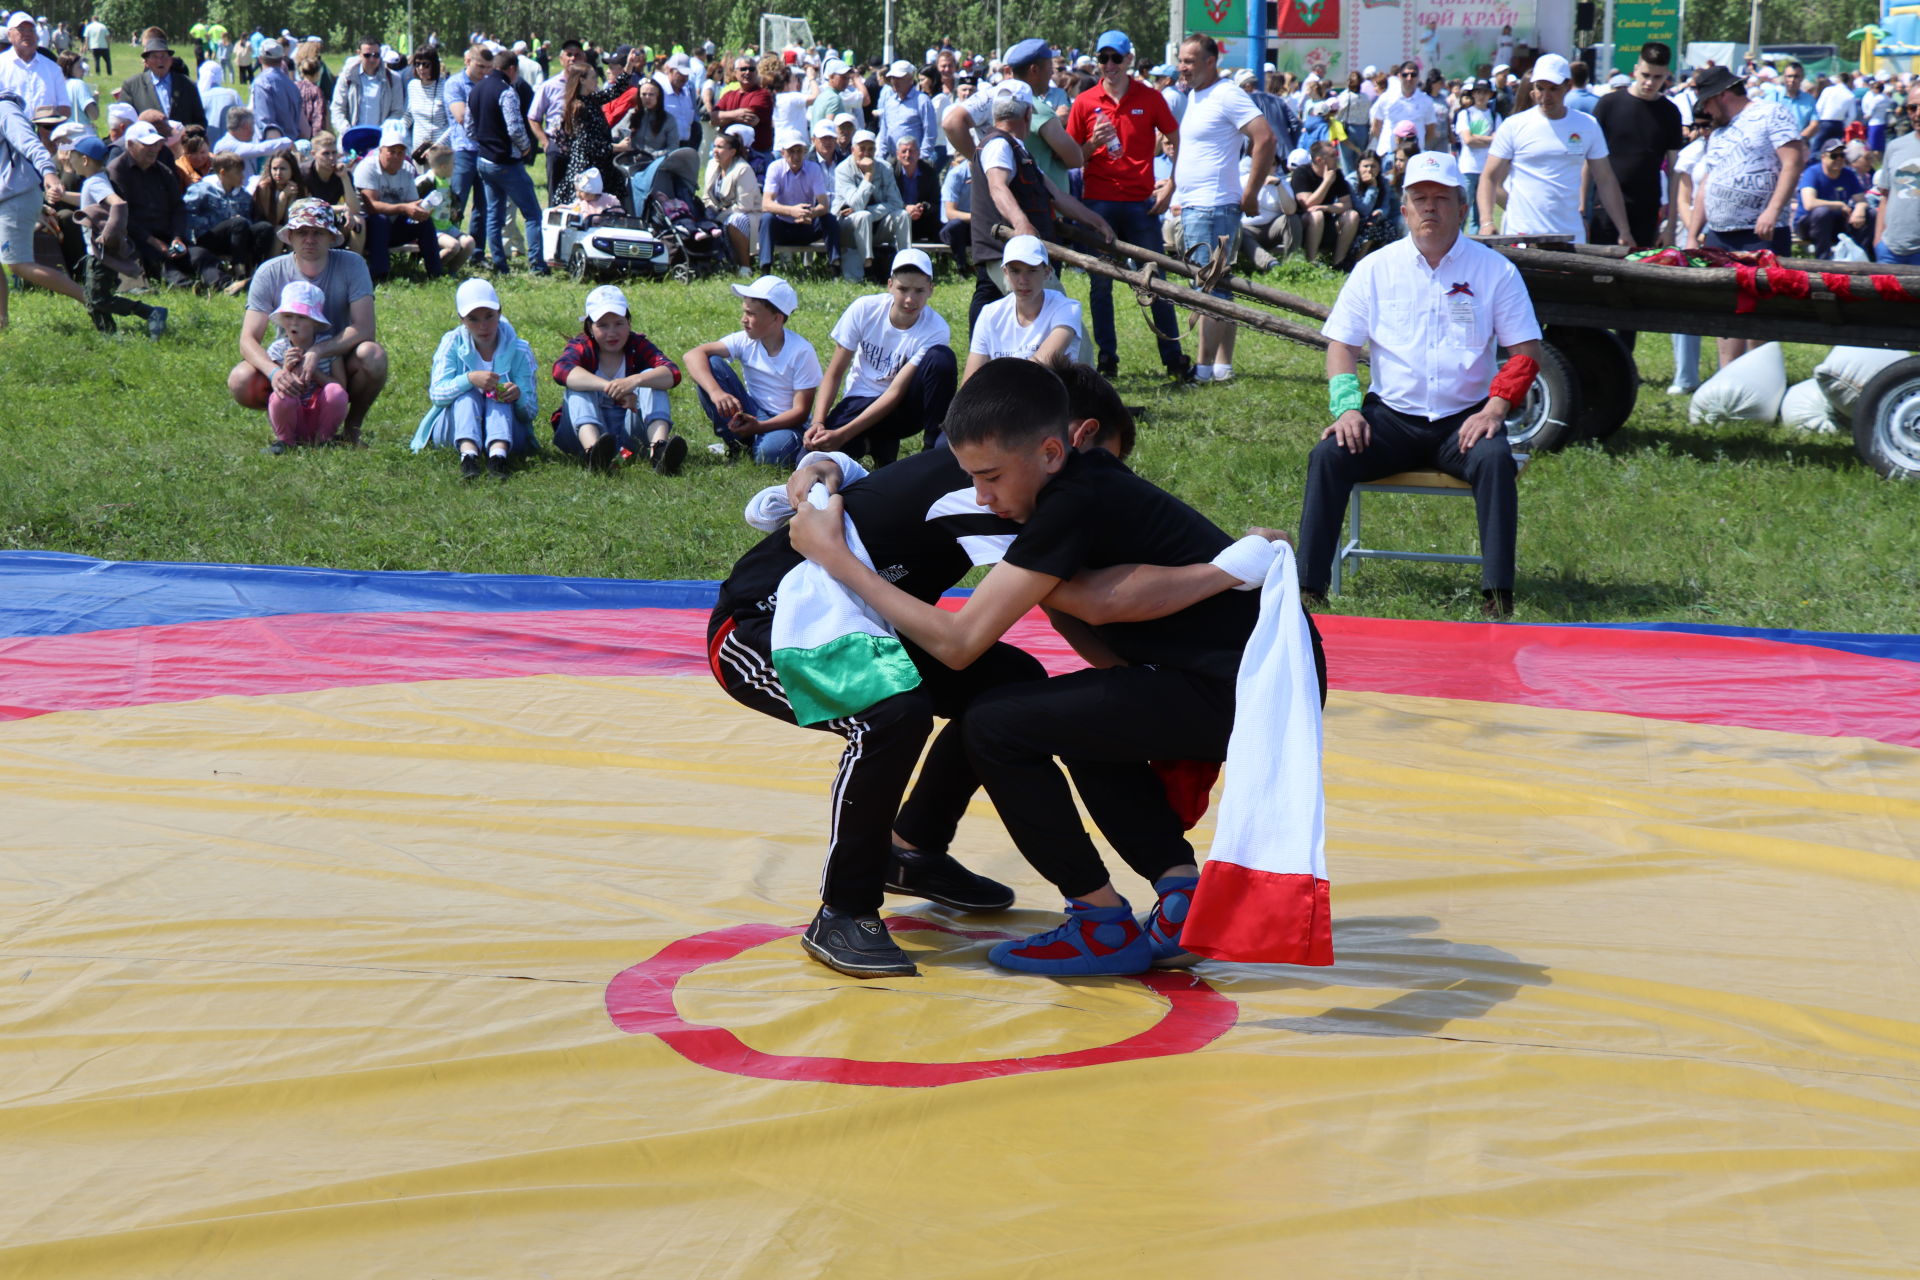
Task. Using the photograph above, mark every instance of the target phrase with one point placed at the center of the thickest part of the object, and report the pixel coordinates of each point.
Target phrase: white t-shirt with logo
(1543, 187)
(771, 379)
(998, 332)
(1474, 122)
(1206, 173)
(880, 351)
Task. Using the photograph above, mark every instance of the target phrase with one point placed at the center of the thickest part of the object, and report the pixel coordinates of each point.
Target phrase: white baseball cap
(1502, 68)
(590, 182)
(475, 293)
(901, 67)
(1243, 76)
(1018, 90)
(519, 46)
(1297, 157)
(835, 67)
(395, 133)
(741, 133)
(143, 133)
(845, 117)
(822, 128)
(19, 16)
(1551, 68)
(1027, 249)
(606, 300)
(773, 291)
(679, 62)
(1432, 166)
(788, 138)
(911, 260)
(1371, 71)
(865, 135)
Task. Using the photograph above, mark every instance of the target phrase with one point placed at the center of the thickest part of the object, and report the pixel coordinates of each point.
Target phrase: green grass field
(124, 448)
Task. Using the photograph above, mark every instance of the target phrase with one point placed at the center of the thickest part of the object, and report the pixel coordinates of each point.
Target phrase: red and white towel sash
(1262, 897)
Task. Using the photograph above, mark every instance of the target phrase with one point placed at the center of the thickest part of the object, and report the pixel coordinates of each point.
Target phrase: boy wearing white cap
(1032, 322)
(389, 188)
(616, 383)
(766, 412)
(310, 410)
(483, 387)
(867, 207)
(892, 351)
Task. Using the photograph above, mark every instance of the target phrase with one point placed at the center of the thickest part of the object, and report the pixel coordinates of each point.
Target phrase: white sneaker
(1677, 390)
(1223, 373)
(1203, 373)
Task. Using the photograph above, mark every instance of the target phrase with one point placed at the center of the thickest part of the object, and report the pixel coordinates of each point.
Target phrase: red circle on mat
(640, 1000)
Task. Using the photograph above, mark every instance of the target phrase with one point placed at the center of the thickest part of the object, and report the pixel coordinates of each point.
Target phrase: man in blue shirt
(904, 112)
(466, 154)
(1793, 79)
(1833, 199)
(276, 98)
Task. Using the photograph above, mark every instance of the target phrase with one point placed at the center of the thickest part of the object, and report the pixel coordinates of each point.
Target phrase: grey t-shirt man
(398, 187)
(1899, 185)
(343, 281)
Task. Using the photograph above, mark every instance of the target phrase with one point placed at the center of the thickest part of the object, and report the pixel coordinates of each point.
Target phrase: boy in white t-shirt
(765, 412)
(1032, 322)
(892, 351)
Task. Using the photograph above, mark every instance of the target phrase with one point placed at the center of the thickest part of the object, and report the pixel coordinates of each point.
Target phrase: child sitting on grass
(483, 387)
(615, 379)
(455, 246)
(767, 411)
(312, 414)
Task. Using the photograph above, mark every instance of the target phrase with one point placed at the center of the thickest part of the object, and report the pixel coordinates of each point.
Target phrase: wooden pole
(1192, 299)
(1275, 297)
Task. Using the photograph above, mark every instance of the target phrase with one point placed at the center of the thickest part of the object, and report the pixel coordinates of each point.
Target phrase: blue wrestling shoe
(1093, 941)
(1164, 922)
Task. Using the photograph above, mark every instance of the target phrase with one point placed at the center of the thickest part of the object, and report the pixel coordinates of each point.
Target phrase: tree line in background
(732, 24)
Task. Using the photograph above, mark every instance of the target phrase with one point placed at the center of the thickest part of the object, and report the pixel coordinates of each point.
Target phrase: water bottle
(1113, 143)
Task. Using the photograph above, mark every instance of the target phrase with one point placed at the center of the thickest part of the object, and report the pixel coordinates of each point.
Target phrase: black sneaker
(156, 322)
(859, 946)
(1109, 366)
(668, 455)
(938, 878)
(497, 466)
(276, 448)
(600, 457)
(469, 466)
(1182, 371)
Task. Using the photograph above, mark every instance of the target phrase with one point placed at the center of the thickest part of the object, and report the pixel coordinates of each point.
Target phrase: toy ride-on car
(604, 244)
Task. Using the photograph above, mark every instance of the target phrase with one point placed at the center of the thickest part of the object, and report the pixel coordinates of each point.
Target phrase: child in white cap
(766, 412)
(483, 387)
(313, 415)
(616, 383)
(590, 195)
(891, 350)
(1032, 322)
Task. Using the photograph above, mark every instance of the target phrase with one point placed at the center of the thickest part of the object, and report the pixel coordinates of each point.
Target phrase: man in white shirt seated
(240, 141)
(1433, 306)
(892, 351)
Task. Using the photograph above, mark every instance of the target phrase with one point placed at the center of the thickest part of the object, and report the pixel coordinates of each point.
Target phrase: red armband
(1514, 379)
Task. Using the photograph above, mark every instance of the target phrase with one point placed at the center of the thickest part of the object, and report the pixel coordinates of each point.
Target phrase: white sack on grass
(1748, 390)
(1805, 408)
(1846, 370)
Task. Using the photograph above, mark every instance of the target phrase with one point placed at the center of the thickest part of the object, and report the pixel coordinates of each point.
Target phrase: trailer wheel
(1607, 378)
(1544, 421)
(1886, 420)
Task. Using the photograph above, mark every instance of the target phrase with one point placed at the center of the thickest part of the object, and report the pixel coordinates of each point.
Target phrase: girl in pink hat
(314, 415)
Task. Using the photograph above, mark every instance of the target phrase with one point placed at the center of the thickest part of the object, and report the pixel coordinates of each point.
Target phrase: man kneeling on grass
(348, 288)
(1161, 689)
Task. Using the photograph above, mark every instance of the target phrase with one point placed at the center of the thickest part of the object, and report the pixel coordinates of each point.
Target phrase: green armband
(1343, 393)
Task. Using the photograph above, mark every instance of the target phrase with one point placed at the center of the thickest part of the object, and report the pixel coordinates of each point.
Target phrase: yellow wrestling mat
(316, 984)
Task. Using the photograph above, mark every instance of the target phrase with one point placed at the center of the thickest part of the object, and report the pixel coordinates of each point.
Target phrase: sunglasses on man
(1109, 55)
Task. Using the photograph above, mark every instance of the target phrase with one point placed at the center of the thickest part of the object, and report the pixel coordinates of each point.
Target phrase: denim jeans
(1200, 228)
(464, 186)
(506, 183)
(1470, 183)
(485, 421)
(775, 448)
(1883, 254)
(628, 427)
(1134, 222)
(1686, 361)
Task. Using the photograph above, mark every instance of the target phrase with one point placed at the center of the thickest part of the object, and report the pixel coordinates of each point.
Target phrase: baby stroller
(665, 196)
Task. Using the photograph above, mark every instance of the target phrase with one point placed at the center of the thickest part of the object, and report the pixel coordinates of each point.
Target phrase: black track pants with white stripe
(883, 745)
